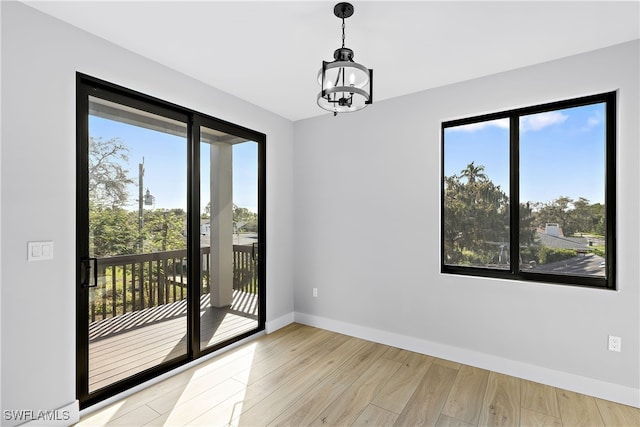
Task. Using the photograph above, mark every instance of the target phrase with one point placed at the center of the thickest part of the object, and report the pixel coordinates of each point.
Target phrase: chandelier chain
(343, 32)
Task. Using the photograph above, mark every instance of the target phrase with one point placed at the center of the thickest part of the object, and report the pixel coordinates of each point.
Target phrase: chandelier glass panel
(346, 86)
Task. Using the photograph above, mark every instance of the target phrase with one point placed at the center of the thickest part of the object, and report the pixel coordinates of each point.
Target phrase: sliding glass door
(169, 230)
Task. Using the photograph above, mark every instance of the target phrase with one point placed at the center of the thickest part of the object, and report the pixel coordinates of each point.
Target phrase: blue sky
(561, 153)
(165, 165)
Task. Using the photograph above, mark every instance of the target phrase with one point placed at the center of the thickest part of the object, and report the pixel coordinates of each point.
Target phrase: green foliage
(544, 255)
(530, 253)
(476, 214)
(244, 219)
(114, 231)
(573, 216)
(548, 255)
(164, 230)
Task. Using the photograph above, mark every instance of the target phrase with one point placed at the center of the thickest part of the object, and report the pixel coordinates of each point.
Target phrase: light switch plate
(40, 251)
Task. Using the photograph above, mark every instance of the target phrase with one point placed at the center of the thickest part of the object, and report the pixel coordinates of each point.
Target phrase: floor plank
(399, 389)
(276, 383)
(288, 358)
(241, 356)
(537, 419)
(426, 403)
(136, 417)
(614, 414)
(334, 357)
(272, 405)
(315, 400)
(220, 415)
(540, 398)
(183, 411)
(501, 405)
(446, 363)
(346, 408)
(578, 410)
(446, 421)
(466, 397)
(375, 416)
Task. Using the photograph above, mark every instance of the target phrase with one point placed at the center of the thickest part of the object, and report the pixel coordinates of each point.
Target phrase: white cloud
(541, 120)
(499, 123)
(592, 122)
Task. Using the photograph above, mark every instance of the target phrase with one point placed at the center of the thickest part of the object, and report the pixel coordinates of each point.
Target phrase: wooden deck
(127, 344)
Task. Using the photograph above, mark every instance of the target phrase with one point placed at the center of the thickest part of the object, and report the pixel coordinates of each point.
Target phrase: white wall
(40, 57)
(367, 195)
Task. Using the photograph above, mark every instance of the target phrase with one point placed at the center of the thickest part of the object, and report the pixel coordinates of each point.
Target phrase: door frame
(89, 86)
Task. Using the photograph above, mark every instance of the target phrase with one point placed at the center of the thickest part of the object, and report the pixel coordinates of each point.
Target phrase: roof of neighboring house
(576, 243)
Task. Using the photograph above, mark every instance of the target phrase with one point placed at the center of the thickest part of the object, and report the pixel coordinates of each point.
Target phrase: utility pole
(140, 205)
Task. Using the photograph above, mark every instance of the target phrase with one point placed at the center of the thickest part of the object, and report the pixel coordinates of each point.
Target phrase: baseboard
(65, 416)
(589, 386)
(280, 322)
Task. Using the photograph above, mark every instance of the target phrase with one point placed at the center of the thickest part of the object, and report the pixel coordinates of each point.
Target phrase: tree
(527, 228)
(581, 216)
(114, 231)
(473, 173)
(573, 216)
(207, 212)
(598, 220)
(164, 229)
(476, 215)
(557, 211)
(108, 178)
(248, 219)
(244, 216)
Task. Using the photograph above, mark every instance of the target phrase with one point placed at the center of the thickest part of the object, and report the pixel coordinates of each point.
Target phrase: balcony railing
(134, 282)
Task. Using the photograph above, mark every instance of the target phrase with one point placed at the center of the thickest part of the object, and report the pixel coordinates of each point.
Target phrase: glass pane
(476, 195)
(562, 187)
(137, 231)
(229, 236)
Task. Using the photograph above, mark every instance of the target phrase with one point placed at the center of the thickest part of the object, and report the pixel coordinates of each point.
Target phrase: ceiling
(268, 53)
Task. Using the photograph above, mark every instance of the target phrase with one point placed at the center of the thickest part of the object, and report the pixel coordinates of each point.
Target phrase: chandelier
(346, 86)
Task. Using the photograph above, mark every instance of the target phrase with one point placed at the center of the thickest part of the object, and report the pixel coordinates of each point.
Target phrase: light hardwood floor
(301, 376)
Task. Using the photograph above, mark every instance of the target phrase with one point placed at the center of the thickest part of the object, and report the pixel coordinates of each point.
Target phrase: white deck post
(221, 267)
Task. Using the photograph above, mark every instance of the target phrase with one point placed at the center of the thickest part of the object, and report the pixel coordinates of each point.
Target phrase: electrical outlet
(615, 343)
(315, 292)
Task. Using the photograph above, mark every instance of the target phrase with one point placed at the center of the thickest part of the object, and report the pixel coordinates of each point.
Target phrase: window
(529, 194)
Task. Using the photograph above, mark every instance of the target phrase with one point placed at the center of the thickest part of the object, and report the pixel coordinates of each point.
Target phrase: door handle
(86, 264)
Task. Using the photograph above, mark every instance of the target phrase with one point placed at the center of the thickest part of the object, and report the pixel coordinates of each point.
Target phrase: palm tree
(473, 172)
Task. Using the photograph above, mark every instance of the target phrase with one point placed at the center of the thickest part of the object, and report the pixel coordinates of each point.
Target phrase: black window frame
(514, 273)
